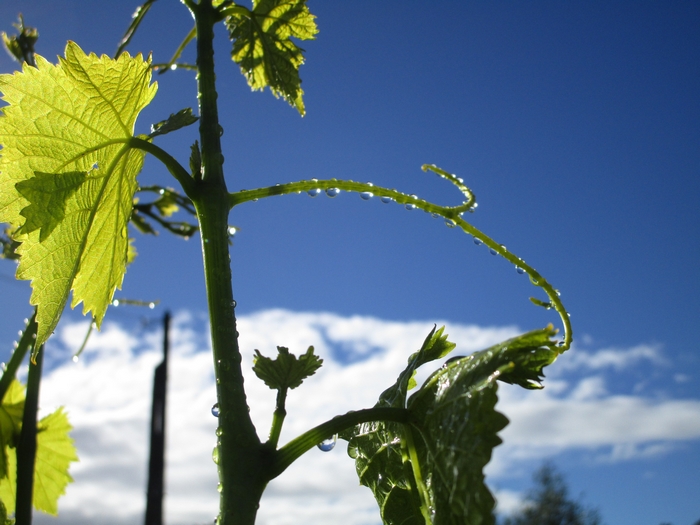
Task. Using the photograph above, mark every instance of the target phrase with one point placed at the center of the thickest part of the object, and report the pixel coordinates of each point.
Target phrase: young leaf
(67, 179)
(175, 121)
(54, 453)
(286, 371)
(263, 49)
(435, 465)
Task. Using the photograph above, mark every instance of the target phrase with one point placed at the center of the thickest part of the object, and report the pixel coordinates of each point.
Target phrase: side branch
(293, 450)
(173, 166)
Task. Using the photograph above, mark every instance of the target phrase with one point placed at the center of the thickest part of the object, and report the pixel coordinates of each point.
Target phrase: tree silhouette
(548, 503)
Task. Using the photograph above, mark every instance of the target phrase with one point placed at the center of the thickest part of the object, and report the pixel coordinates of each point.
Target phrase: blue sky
(577, 129)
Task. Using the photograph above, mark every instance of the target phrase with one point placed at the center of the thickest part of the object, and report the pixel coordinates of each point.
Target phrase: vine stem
(26, 448)
(241, 457)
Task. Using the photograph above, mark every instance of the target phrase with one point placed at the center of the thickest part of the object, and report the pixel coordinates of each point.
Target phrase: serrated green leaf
(286, 371)
(175, 121)
(54, 453)
(63, 140)
(11, 411)
(263, 49)
(434, 467)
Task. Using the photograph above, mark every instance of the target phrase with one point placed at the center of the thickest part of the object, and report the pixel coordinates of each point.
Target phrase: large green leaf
(67, 178)
(54, 453)
(263, 49)
(432, 470)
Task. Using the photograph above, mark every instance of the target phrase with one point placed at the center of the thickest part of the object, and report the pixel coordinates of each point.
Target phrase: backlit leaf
(54, 453)
(263, 49)
(432, 470)
(67, 178)
(286, 371)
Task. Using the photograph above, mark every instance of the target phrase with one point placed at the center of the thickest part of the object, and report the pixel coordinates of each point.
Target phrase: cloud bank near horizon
(107, 394)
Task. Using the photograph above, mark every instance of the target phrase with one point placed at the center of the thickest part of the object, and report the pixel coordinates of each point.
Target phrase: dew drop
(557, 292)
(173, 67)
(219, 488)
(161, 191)
(96, 166)
(15, 344)
(232, 230)
(215, 410)
(219, 432)
(478, 241)
(151, 305)
(366, 195)
(313, 192)
(215, 455)
(519, 270)
(332, 192)
(450, 223)
(3, 366)
(386, 200)
(19, 333)
(234, 303)
(492, 251)
(328, 444)
(410, 207)
(76, 359)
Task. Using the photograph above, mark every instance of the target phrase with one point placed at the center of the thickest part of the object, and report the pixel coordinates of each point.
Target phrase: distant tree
(548, 503)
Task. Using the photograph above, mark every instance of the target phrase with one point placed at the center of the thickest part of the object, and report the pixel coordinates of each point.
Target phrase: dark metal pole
(156, 463)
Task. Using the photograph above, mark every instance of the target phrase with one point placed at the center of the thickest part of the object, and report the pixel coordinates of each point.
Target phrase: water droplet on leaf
(328, 444)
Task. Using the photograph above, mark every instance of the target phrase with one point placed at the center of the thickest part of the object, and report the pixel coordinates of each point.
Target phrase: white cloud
(107, 394)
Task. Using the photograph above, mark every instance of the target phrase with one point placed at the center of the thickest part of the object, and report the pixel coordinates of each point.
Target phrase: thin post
(156, 463)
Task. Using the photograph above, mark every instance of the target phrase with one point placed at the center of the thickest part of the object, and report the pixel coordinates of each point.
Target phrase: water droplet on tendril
(232, 230)
(313, 192)
(332, 192)
(328, 444)
(386, 200)
(215, 455)
(478, 241)
(234, 303)
(492, 251)
(215, 410)
(219, 432)
(557, 292)
(219, 487)
(173, 67)
(151, 305)
(410, 207)
(115, 302)
(450, 223)
(366, 195)
(519, 270)
(76, 359)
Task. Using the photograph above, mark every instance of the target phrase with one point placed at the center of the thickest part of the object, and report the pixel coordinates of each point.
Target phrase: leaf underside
(54, 453)
(432, 470)
(67, 177)
(264, 51)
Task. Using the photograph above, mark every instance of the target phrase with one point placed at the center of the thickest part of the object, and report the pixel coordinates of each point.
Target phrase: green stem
(241, 457)
(293, 450)
(23, 345)
(278, 418)
(173, 166)
(26, 448)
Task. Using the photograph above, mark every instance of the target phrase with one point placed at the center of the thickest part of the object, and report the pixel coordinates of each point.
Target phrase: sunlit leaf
(11, 411)
(263, 49)
(54, 453)
(67, 179)
(432, 469)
